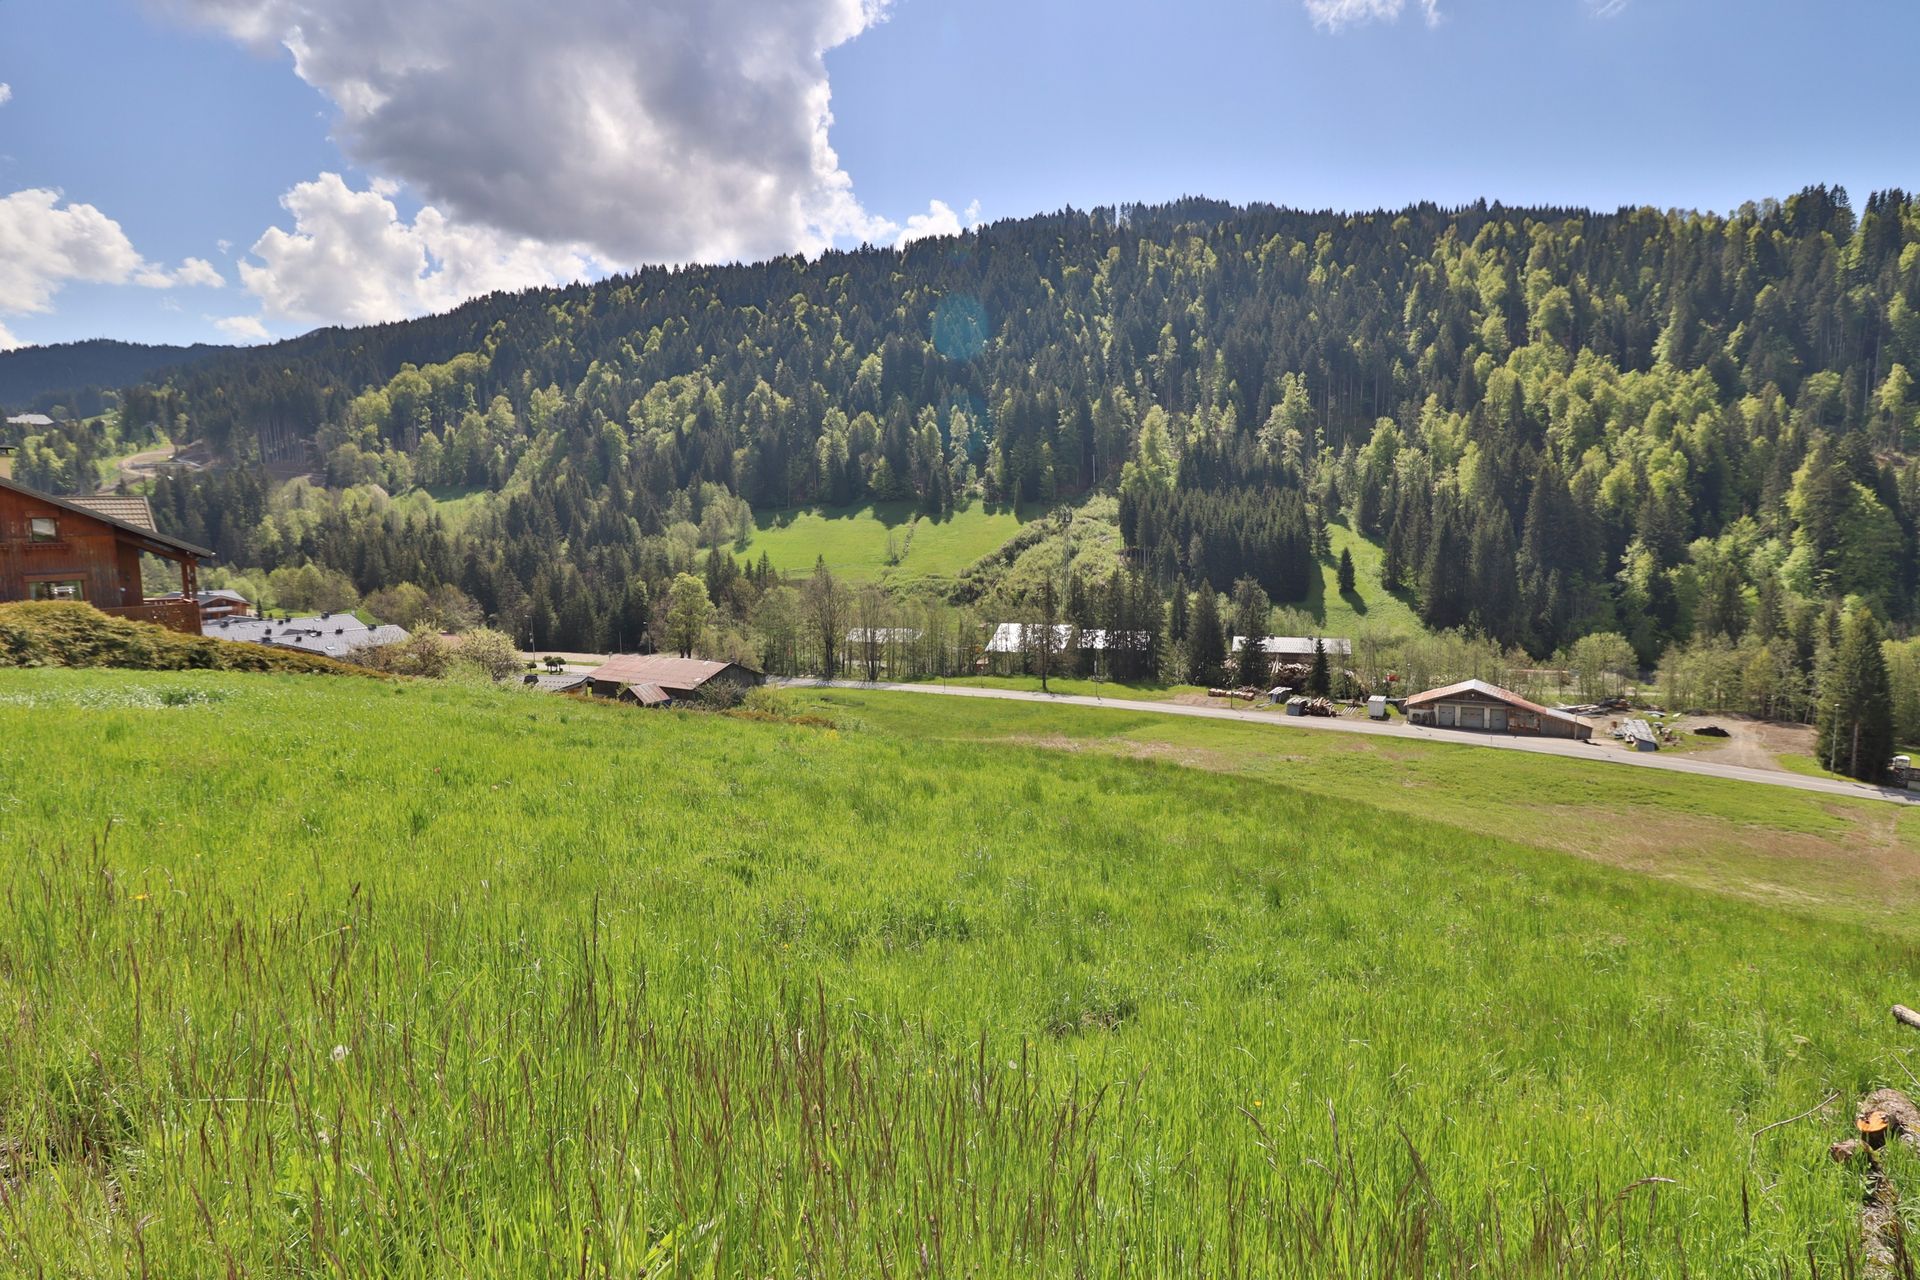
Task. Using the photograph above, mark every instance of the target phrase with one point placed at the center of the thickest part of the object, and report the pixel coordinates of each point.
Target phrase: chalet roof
(146, 535)
(665, 670)
(648, 695)
(127, 510)
(1486, 690)
(1336, 647)
(30, 420)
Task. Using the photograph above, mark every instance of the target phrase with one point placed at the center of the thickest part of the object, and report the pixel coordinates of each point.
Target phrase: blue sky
(140, 137)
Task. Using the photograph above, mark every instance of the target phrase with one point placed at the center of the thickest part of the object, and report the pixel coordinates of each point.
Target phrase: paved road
(1604, 753)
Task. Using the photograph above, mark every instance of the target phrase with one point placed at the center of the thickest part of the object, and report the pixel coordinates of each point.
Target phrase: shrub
(71, 634)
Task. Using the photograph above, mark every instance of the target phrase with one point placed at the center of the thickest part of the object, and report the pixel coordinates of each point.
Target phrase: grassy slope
(1834, 857)
(854, 539)
(1369, 605)
(417, 980)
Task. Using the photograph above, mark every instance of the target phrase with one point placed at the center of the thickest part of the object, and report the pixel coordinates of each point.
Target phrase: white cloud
(938, 220)
(6, 93)
(352, 259)
(241, 328)
(7, 341)
(48, 245)
(1608, 8)
(671, 130)
(1332, 15)
(198, 273)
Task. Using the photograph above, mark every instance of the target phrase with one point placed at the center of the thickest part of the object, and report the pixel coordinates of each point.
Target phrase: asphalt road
(1597, 753)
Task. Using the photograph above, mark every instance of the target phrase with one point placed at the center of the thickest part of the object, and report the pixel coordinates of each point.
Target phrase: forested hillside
(1556, 422)
(71, 375)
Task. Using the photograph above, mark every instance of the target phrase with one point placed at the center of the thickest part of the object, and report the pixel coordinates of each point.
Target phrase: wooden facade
(54, 549)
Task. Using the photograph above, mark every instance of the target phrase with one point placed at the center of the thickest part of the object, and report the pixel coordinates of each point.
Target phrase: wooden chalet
(89, 549)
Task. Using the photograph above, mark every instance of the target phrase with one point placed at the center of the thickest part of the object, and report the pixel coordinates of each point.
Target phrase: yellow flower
(140, 897)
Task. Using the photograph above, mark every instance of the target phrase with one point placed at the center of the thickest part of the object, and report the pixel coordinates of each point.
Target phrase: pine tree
(1856, 703)
(1346, 572)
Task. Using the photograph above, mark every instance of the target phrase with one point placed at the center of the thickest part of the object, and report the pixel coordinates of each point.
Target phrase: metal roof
(147, 534)
(30, 420)
(329, 635)
(556, 681)
(666, 670)
(1486, 690)
(1298, 644)
(1017, 637)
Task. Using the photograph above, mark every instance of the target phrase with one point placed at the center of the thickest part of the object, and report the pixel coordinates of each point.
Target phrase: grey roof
(30, 420)
(331, 635)
(1298, 644)
(556, 681)
(1019, 637)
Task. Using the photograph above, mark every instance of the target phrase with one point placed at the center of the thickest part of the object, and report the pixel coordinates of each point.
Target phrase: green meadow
(893, 540)
(362, 978)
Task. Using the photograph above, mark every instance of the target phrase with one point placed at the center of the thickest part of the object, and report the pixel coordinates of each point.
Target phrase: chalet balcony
(180, 615)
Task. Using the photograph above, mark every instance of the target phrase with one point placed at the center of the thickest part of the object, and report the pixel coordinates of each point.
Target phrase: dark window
(70, 589)
(43, 529)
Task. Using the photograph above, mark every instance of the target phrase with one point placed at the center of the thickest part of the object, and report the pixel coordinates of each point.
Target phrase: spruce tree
(1320, 679)
(1206, 645)
(1346, 571)
(1856, 703)
(1251, 609)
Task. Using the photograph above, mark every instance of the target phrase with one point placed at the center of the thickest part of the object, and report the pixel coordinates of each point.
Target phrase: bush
(70, 634)
(423, 654)
(492, 652)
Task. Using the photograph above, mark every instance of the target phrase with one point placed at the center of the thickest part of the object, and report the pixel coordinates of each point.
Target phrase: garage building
(1475, 704)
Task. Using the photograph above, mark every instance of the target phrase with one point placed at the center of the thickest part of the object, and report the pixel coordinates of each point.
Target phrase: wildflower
(339, 1053)
(140, 897)
(325, 1140)
(1256, 1102)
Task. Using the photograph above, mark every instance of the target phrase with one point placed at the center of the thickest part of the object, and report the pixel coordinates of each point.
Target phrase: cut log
(1905, 1015)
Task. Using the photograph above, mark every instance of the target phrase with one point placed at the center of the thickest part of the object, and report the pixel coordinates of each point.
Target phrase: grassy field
(855, 540)
(354, 978)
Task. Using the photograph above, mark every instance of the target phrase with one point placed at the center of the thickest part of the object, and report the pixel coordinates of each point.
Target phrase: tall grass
(339, 978)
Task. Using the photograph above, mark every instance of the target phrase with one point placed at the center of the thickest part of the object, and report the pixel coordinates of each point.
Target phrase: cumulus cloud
(198, 273)
(49, 244)
(673, 130)
(1332, 15)
(7, 341)
(241, 328)
(352, 259)
(6, 93)
(938, 220)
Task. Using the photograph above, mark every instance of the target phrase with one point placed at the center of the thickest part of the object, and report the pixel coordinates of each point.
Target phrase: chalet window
(43, 529)
(66, 589)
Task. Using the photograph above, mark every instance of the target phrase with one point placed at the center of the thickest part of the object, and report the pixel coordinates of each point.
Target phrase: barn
(1477, 705)
(658, 679)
